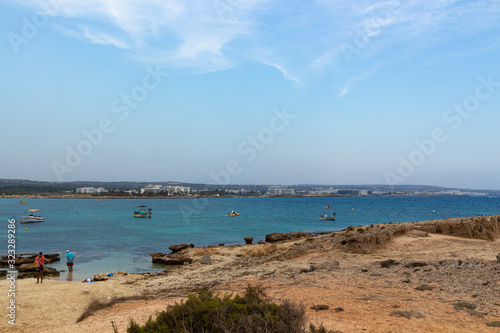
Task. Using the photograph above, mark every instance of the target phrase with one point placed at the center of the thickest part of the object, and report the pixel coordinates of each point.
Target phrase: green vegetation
(207, 312)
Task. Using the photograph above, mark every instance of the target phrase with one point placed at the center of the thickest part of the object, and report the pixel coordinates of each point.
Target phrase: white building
(281, 191)
(91, 190)
(169, 189)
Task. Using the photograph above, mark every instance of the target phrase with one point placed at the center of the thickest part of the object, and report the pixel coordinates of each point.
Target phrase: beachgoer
(39, 264)
(69, 260)
(88, 280)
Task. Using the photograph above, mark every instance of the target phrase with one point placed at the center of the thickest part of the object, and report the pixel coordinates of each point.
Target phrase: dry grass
(95, 304)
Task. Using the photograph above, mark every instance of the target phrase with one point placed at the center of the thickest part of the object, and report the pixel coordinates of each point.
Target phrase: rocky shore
(429, 276)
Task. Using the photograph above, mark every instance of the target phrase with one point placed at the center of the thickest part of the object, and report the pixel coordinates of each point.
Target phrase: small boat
(22, 202)
(330, 217)
(142, 211)
(233, 213)
(32, 216)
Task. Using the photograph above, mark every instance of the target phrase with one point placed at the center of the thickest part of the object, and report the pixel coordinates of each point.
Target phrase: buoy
(433, 210)
(90, 215)
(189, 221)
(252, 216)
(395, 213)
(353, 209)
(26, 229)
(158, 213)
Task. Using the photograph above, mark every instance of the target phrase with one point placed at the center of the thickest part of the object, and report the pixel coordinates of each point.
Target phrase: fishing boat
(142, 211)
(32, 216)
(233, 213)
(330, 217)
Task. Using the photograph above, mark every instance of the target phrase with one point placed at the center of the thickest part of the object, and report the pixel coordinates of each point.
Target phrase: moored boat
(330, 217)
(32, 216)
(142, 211)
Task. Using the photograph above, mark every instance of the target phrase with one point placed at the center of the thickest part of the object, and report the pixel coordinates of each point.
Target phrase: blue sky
(252, 92)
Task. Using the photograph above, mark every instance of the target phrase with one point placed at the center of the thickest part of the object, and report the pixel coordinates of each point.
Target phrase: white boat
(330, 217)
(32, 216)
(142, 211)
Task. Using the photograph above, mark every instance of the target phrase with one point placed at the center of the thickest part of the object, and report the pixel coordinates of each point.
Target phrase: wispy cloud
(301, 40)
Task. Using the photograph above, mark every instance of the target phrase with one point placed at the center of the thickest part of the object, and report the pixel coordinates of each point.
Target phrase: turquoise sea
(105, 237)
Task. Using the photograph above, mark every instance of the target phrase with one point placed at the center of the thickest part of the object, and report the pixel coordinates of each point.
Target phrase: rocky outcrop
(277, 237)
(170, 259)
(178, 247)
(248, 240)
(478, 227)
(28, 258)
(367, 239)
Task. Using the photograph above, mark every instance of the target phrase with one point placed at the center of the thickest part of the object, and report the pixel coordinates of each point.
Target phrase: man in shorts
(69, 260)
(39, 264)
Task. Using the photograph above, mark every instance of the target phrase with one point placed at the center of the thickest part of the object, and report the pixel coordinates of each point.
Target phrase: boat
(22, 202)
(142, 211)
(233, 213)
(32, 216)
(330, 217)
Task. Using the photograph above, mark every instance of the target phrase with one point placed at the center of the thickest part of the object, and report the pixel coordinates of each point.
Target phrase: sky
(252, 92)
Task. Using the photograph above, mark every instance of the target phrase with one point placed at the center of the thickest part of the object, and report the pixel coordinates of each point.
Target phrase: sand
(306, 271)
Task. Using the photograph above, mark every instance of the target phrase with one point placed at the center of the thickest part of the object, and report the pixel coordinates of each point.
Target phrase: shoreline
(78, 196)
(400, 277)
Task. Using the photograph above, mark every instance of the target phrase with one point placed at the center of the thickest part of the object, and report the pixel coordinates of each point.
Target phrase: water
(105, 237)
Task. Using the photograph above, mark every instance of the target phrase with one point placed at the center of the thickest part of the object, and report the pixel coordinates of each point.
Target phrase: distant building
(169, 189)
(281, 191)
(91, 190)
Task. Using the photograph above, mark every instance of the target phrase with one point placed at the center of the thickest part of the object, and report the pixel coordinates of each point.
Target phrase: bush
(205, 312)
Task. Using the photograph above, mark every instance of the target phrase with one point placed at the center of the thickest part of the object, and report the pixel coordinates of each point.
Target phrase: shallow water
(105, 237)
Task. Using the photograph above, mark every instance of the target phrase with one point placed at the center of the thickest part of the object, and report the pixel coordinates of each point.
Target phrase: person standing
(69, 260)
(39, 264)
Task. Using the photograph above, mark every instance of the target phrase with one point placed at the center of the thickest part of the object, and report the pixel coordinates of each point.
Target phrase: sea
(106, 237)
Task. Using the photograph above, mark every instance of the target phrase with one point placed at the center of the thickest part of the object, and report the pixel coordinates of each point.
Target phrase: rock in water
(179, 247)
(206, 260)
(248, 240)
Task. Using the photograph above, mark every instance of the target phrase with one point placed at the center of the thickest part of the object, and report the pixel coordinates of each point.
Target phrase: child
(39, 263)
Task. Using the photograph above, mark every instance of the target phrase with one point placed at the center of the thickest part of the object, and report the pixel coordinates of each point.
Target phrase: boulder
(248, 240)
(170, 259)
(101, 277)
(277, 237)
(178, 247)
(205, 260)
(27, 268)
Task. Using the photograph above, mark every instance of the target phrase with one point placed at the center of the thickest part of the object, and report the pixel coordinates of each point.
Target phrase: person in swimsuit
(39, 264)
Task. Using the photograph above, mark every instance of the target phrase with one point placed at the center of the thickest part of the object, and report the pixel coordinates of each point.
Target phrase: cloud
(300, 39)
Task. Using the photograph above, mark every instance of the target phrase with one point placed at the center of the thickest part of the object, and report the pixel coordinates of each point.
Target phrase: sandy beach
(382, 278)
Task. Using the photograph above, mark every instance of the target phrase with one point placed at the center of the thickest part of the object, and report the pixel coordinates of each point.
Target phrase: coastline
(91, 196)
(456, 262)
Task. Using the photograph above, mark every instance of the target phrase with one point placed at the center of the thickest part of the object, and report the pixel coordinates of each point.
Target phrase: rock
(248, 240)
(276, 237)
(206, 260)
(179, 247)
(261, 242)
(170, 259)
(498, 258)
(101, 277)
(27, 268)
(417, 233)
(424, 287)
(320, 307)
(339, 309)
(191, 245)
(388, 263)
(407, 314)
(221, 244)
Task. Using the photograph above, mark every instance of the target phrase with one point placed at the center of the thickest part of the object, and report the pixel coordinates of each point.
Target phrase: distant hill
(23, 186)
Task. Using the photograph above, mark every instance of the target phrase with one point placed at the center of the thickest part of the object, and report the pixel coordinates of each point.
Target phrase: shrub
(207, 312)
